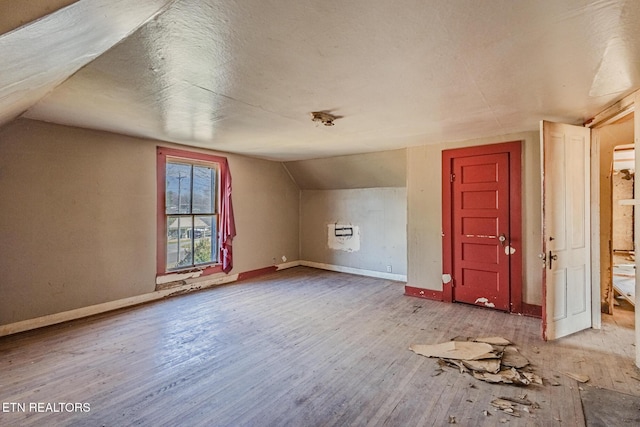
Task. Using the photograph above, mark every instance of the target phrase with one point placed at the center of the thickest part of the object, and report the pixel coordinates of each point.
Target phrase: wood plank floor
(301, 347)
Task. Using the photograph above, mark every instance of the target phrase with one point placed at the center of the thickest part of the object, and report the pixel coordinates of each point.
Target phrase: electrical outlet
(388, 269)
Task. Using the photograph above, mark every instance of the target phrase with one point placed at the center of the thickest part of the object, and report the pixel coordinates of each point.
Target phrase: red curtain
(227, 223)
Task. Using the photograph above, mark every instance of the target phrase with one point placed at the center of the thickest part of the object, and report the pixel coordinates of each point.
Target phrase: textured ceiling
(244, 76)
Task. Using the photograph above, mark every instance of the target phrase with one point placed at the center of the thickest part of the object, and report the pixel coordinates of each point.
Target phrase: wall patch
(343, 237)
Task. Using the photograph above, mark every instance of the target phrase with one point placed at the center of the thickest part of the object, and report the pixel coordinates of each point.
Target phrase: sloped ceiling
(369, 170)
(18, 13)
(39, 56)
(244, 76)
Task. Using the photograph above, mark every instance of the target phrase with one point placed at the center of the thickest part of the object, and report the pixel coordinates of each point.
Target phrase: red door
(481, 230)
(482, 239)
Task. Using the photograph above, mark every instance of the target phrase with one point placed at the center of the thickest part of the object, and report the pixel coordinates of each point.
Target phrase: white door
(566, 282)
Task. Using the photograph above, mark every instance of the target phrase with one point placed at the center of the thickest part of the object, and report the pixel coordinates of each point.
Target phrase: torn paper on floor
(487, 365)
(509, 376)
(490, 359)
(512, 358)
(493, 340)
(458, 350)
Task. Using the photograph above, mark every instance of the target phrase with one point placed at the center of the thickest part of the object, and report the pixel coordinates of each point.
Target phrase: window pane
(205, 248)
(214, 236)
(178, 189)
(203, 185)
(179, 243)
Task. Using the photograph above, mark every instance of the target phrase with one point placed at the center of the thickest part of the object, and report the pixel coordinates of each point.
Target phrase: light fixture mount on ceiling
(324, 117)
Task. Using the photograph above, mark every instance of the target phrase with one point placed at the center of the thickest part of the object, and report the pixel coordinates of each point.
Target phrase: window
(192, 219)
(195, 220)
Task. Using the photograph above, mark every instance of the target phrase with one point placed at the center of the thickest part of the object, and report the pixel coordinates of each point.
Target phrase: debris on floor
(506, 407)
(510, 405)
(553, 381)
(512, 358)
(494, 340)
(458, 350)
(581, 378)
(490, 359)
(519, 399)
(509, 376)
(489, 365)
(437, 372)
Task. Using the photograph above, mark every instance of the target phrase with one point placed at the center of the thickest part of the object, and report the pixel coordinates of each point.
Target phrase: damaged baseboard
(78, 313)
(170, 290)
(286, 265)
(531, 310)
(174, 288)
(357, 271)
(431, 294)
(170, 285)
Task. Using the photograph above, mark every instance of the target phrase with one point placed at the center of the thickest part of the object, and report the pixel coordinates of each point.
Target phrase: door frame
(514, 149)
(609, 115)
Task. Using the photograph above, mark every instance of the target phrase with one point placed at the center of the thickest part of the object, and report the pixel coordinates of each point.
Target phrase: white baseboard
(358, 271)
(78, 313)
(52, 319)
(289, 264)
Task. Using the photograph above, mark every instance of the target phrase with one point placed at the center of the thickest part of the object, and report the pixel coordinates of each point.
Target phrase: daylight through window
(191, 210)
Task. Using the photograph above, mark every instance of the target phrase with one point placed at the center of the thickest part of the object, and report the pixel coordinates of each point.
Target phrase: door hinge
(452, 177)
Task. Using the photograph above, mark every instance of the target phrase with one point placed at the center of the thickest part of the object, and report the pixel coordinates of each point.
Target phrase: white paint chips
(446, 278)
(485, 302)
(509, 250)
(174, 277)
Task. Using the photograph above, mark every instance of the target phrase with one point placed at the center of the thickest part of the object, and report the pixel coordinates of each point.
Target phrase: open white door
(566, 282)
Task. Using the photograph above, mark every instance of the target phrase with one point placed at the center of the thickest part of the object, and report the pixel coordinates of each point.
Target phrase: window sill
(188, 273)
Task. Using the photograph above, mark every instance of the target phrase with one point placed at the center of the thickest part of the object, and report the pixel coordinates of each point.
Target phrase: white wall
(78, 222)
(366, 191)
(379, 219)
(78, 217)
(424, 212)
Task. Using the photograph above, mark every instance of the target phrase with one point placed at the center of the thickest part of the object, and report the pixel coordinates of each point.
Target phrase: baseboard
(423, 293)
(194, 284)
(257, 273)
(286, 265)
(357, 271)
(78, 313)
(65, 316)
(532, 310)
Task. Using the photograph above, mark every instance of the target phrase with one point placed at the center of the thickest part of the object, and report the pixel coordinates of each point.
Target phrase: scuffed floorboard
(299, 347)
